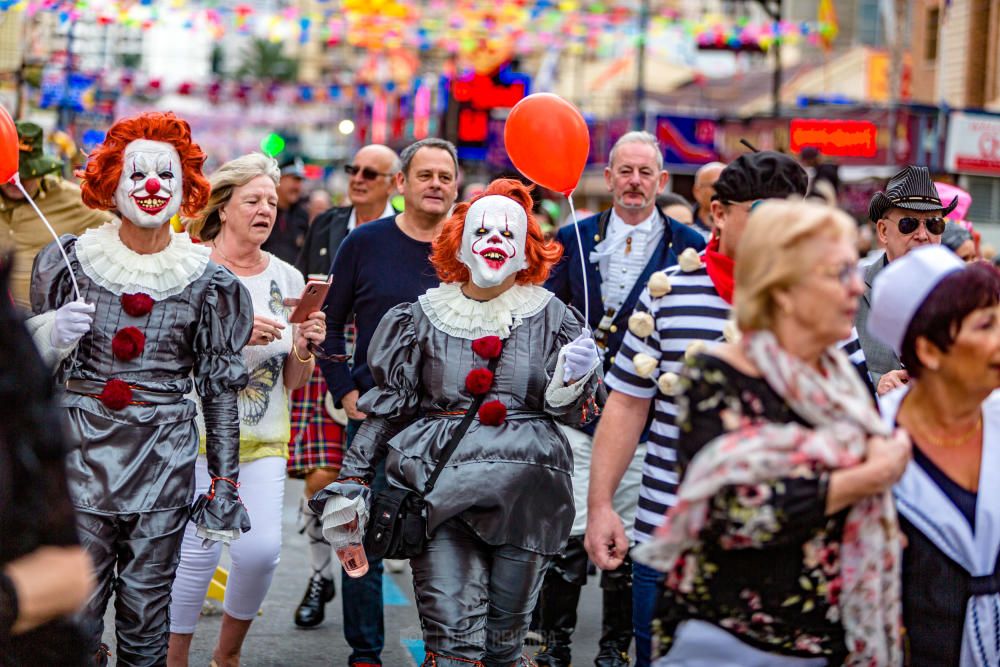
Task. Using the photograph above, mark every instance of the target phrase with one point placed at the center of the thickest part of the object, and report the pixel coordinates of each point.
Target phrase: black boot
(557, 602)
(310, 612)
(616, 617)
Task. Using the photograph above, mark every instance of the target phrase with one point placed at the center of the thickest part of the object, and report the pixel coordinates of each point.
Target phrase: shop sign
(838, 138)
(973, 144)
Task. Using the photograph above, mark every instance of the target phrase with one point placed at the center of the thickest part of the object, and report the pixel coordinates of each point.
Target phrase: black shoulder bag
(397, 527)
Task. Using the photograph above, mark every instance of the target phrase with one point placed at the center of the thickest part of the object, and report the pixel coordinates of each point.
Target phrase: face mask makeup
(151, 186)
(496, 229)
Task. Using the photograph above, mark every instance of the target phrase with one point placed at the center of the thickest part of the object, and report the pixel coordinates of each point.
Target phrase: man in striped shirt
(622, 247)
(694, 311)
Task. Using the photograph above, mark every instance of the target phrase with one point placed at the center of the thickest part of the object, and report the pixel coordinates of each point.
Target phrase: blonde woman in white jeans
(238, 219)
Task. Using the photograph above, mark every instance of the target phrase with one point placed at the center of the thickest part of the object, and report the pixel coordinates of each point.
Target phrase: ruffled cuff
(220, 515)
(40, 327)
(558, 394)
(350, 490)
(345, 518)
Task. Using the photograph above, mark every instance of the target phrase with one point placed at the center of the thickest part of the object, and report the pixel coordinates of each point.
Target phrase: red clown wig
(539, 253)
(104, 166)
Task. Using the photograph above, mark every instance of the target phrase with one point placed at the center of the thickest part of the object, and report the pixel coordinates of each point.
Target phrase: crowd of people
(772, 448)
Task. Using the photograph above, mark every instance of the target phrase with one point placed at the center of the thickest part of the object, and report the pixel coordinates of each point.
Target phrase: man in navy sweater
(380, 265)
(623, 246)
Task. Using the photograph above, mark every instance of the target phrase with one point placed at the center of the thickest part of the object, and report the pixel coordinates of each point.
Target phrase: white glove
(580, 356)
(72, 321)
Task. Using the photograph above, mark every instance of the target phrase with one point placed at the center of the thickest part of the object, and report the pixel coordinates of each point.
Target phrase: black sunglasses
(934, 225)
(367, 173)
(318, 352)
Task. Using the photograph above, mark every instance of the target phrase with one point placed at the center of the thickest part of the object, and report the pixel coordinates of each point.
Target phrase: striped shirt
(691, 311)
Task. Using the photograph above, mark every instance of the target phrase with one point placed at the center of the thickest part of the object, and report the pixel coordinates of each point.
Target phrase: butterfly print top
(265, 428)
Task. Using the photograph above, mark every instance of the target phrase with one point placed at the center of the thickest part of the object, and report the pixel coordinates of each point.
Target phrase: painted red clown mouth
(150, 204)
(495, 257)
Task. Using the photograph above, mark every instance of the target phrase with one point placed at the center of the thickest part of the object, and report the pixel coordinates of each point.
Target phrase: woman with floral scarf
(783, 547)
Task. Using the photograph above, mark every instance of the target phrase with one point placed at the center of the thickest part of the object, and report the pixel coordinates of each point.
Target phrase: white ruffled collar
(120, 270)
(455, 314)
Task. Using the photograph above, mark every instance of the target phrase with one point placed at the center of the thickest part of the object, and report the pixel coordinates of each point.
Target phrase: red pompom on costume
(137, 305)
(479, 381)
(116, 394)
(493, 413)
(487, 347)
(128, 343)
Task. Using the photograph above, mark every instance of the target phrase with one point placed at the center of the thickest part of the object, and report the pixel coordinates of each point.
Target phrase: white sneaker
(394, 566)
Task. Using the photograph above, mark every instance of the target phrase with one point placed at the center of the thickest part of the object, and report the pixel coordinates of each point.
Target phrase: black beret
(762, 175)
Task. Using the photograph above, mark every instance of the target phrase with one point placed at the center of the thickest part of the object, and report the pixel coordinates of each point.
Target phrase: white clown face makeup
(496, 228)
(151, 186)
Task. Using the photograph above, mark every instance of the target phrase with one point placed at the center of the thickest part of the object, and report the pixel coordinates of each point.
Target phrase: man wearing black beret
(689, 305)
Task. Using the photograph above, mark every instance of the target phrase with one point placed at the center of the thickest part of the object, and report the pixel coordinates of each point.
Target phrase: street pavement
(275, 641)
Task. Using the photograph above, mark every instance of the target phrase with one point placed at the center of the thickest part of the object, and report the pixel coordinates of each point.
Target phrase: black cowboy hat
(911, 189)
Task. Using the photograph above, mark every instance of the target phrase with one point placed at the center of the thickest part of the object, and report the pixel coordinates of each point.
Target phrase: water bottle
(352, 555)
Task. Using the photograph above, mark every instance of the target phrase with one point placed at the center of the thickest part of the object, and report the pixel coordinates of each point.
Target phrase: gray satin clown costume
(504, 502)
(131, 477)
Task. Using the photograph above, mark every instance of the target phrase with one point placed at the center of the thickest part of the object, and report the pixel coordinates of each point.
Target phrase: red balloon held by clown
(547, 140)
(9, 147)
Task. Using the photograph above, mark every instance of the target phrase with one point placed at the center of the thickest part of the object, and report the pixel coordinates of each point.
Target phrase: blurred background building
(873, 84)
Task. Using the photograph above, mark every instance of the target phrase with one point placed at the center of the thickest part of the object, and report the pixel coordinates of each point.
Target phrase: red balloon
(9, 147)
(547, 140)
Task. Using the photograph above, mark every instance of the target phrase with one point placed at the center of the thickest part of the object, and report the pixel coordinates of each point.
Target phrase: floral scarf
(838, 407)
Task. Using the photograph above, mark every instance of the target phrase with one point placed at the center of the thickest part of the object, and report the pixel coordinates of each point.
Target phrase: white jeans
(701, 644)
(626, 497)
(255, 554)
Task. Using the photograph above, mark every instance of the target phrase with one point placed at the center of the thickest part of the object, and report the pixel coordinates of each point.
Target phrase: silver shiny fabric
(131, 475)
(141, 547)
(511, 484)
(475, 600)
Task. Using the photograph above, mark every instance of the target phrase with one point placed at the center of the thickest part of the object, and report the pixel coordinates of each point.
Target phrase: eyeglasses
(909, 225)
(844, 273)
(367, 173)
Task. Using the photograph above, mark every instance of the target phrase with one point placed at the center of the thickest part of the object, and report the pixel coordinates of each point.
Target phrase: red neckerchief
(720, 270)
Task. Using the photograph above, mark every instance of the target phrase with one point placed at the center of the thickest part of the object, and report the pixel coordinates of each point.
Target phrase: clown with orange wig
(154, 314)
(503, 504)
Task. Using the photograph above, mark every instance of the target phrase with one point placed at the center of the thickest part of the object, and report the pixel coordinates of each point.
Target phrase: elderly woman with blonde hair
(237, 220)
(783, 547)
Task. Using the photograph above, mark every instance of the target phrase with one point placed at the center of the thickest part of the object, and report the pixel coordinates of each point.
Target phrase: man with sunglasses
(370, 186)
(316, 448)
(907, 215)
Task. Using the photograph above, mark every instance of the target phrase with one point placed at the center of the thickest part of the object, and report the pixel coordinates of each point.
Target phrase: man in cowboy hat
(908, 215)
(59, 200)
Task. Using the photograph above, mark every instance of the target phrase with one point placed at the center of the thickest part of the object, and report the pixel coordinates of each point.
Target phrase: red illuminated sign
(478, 94)
(839, 138)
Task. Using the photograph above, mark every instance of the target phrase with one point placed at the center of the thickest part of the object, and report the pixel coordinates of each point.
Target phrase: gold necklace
(241, 266)
(950, 442)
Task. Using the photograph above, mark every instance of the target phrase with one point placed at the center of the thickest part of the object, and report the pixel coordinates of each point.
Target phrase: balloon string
(72, 276)
(583, 263)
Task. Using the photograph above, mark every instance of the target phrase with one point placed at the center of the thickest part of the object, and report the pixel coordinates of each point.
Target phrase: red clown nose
(152, 186)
